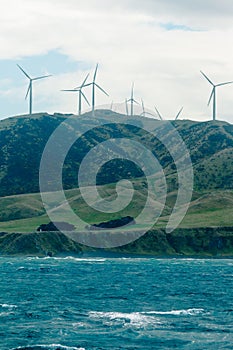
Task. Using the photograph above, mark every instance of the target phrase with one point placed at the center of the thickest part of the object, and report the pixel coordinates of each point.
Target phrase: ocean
(97, 303)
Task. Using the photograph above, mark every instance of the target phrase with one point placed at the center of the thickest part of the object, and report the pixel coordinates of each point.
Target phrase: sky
(160, 45)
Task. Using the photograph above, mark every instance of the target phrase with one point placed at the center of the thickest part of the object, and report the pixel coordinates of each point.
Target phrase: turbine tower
(178, 114)
(80, 95)
(29, 90)
(213, 93)
(126, 107)
(94, 85)
(132, 100)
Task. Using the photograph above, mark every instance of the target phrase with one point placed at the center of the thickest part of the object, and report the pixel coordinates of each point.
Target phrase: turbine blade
(229, 82)
(70, 90)
(101, 89)
(132, 90)
(83, 84)
(160, 117)
(85, 98)
(23, 71)
(211, 95)
(42, 77)
(150, 114)
(135, 101)
(94, 77)
(29, 86)
(207, 78)
(179, 113)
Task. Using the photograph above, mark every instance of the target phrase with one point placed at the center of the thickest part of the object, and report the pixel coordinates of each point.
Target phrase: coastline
(210, 242)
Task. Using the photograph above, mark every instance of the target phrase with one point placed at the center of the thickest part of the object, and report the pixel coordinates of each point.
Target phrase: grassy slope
(22, 141)
(209, 209)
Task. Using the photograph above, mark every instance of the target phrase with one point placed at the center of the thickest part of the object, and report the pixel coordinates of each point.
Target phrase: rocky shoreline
(196, 242)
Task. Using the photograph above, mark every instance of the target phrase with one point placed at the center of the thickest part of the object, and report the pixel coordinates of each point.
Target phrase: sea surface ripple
(97, 303)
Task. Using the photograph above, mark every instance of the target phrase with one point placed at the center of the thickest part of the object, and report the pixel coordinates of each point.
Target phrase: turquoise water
(115, 303)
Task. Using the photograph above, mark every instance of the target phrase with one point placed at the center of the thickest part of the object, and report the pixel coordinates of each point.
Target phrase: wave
(142, 318)
(47, 347)
(8, 306)
(187, 312)
(135, 318)
(69, 258)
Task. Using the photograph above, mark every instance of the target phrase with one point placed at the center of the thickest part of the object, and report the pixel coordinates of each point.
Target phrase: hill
(23, 138)
(206, 229)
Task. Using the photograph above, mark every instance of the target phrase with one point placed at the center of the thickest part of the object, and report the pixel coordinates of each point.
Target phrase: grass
(24, 213)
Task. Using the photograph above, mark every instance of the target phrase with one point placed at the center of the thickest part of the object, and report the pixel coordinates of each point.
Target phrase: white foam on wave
(48, 347)
(140, 319)
(8, 306)
(4, 314)
(72, 258)
(85, 259)
(187, 312)
(137, 319)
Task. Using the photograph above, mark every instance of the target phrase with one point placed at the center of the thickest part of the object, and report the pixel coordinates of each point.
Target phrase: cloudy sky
(161, 45)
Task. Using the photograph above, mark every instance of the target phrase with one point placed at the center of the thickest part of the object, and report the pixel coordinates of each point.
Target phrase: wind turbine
(29, 90)
(213, 93)
(94, 85)
(144, 112)
(178, 114)
(132, 100)
(80, 95)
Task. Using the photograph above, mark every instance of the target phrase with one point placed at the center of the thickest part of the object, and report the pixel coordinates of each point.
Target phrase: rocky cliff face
(201, 242)
(37, 244)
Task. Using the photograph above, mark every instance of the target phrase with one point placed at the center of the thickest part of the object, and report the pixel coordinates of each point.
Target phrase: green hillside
(23, 138)
(22, 141)
(24, 213)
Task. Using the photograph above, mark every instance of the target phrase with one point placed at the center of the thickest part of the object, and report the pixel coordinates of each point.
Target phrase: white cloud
(127, 38)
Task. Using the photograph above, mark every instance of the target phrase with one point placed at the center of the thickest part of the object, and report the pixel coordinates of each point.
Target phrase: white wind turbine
(132, 100)
(80, 95)
(144, 112)
(213, 93)
(94, 85)
(29, 90)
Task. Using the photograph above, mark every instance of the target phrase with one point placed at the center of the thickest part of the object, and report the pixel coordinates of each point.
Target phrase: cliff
(197, 242)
